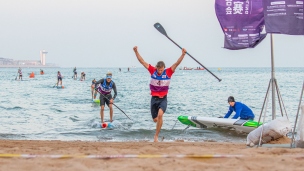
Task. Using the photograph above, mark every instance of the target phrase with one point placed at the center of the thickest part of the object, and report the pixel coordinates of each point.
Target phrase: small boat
(186, 68)
(199, 68)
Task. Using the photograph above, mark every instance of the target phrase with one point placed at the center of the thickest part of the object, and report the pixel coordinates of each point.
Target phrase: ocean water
(33, 110)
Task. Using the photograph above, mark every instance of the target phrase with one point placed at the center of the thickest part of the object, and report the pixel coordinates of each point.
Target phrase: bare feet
(155, 138)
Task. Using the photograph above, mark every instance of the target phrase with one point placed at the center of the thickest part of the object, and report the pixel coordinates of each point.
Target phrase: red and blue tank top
(104, 88)
(159, 84)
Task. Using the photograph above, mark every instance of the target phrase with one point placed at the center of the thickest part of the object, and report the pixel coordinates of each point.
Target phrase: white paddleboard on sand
(208, 122)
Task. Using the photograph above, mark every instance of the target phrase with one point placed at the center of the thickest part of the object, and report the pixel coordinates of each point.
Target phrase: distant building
(42, 56)
(6, 62)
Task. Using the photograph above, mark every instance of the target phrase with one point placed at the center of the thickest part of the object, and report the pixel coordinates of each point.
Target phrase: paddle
(113, 104)
(160, 28)
(55, 85)
(16, 76)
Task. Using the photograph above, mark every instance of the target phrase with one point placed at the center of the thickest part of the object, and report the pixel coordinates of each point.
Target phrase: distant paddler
(20, 73)
(82, 77)
(59, 78)
(75, 73)
(105, 88)
(41, 72)
(159, 86)
(93, 91)
(32, 75)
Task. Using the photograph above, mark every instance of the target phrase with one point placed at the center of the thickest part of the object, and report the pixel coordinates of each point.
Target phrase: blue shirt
(241, 110)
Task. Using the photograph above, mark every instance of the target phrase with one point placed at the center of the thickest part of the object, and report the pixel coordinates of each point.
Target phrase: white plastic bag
(273, 130)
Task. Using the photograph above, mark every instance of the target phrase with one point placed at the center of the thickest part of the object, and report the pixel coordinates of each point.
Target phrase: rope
(186, 128)
(174, 124)
(67, 156)
(54, 156)
(261, 134)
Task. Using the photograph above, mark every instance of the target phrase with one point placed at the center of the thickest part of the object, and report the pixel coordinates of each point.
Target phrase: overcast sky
(99, 33)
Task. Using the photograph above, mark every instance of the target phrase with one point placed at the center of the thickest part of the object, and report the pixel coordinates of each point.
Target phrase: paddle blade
(160, 28)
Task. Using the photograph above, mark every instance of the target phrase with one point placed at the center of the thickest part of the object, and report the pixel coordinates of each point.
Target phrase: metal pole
(272, 80)
(266, 97)
(295, 124)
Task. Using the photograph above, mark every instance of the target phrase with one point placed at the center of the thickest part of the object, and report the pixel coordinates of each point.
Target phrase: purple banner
(242, 22)
(284, 16)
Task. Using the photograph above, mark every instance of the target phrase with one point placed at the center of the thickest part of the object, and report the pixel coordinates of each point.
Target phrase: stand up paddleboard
(59, 87)
(105, 125)
(207, 122)
(96, 100)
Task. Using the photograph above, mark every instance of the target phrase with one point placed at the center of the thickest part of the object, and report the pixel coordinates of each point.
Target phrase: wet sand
(145, 156)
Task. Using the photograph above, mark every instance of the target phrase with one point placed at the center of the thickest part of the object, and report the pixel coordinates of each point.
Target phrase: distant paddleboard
(96, 100)
(105, 125)
(60, 87)
(208, 122)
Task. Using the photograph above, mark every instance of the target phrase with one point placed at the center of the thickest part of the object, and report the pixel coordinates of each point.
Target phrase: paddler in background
(159, 86)
(241, 110)
(93, 91)
(59, 78)
(20, 73)
(75, 73)
(105, 88)
(82, 77)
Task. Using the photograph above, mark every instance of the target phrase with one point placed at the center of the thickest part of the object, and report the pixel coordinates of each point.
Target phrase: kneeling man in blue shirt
(241, 110)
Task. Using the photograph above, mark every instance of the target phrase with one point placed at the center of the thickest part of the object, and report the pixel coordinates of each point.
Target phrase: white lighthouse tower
(42, 56)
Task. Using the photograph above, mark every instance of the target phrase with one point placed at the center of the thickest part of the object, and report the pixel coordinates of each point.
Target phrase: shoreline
(28, 66)
(145, 156)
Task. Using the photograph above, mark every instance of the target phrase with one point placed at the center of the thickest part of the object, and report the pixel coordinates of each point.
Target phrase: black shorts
(157, 103)
(59, 79)
(104, 100)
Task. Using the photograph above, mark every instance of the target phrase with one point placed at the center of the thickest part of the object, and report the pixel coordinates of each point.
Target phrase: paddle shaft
(161, 29)
(195, 59)
(113, 104)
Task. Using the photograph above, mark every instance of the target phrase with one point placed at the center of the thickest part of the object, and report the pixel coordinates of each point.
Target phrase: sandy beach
(145, 156)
